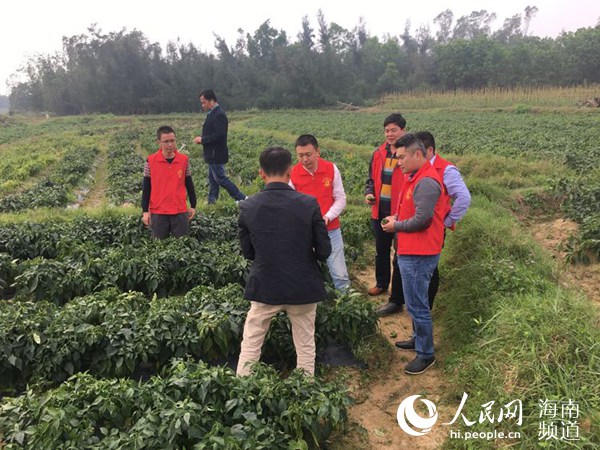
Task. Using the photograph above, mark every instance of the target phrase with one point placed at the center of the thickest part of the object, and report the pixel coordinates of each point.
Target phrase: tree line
(123, 73)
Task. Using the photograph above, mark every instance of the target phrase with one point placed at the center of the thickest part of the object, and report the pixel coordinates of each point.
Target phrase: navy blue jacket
(214, 137)
(283, 232)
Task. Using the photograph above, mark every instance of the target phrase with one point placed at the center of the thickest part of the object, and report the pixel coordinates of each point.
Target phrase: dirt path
(97, 193)
(376, 406)
(553, 235)
(377, 401)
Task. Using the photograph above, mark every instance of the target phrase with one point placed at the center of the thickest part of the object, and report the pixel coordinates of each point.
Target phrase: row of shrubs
(190, 405)
(57, 189)
(111, 333)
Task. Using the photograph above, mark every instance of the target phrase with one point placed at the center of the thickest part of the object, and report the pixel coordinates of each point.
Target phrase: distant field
(520, 99)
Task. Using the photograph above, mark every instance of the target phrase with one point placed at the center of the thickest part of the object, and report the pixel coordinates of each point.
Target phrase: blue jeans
(416, 272)
(337, 261)
(216, 178)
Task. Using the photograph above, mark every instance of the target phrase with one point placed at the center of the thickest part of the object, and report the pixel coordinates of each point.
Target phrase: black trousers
(383, 247)
(163, 225)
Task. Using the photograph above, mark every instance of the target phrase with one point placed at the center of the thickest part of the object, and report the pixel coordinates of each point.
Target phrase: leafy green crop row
(58, 260)
(15, 171)
(585, 247)
(56, 238)
(581, 202)
(167, 266)
(54, 190)
(125, 168)
(111, 333)
(191, 405)
(61, 259)
(500, 133)
(27, 131)
(11, 130)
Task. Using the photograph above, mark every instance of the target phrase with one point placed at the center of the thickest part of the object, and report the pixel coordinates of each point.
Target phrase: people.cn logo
(411, 422)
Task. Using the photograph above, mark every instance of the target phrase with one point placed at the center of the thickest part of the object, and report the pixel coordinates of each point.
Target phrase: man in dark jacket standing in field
(216, 153)
(282, 231)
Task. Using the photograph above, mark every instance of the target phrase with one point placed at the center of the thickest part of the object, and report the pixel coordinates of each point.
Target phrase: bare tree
(444, 21)
(530, 11)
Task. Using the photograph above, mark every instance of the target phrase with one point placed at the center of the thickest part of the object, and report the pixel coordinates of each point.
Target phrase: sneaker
(389, 308)
(406, 345)
(376, 290)
(419, 365)
(237, 202)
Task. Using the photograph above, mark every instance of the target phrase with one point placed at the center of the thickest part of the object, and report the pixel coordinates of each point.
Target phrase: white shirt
(339, 195)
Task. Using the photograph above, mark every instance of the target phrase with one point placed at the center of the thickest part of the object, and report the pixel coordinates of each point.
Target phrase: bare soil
(97, 194)
(552, 236)
(376, 405)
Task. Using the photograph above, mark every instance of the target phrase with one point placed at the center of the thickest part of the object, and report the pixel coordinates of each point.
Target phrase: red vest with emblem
(397, 181)
(319, 185)
(430, 240)
(168, 193)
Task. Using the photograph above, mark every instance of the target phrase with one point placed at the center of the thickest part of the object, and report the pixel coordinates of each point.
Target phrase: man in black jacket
(283, 232)
(216, 153)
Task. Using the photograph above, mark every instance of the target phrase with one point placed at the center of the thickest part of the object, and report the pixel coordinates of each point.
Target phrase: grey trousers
(163, 225)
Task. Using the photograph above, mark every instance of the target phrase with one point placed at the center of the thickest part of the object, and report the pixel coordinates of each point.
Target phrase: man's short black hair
(307, 139)
(165, 129)
(275, 161)
(208, 94)
(427, 139)
(411, 143)
(395, 118)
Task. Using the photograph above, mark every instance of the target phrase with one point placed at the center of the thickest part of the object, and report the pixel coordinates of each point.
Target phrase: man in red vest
(420, 228)
(320, 178)
(458, 199)
(383, 186)
(167, 179)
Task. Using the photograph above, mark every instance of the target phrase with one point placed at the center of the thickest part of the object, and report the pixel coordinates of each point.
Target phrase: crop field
(109, 339)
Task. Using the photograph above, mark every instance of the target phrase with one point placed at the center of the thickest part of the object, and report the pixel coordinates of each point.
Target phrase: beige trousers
(257, 325)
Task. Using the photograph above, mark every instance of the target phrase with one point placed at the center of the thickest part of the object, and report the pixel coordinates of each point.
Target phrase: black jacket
(214, 137)
(283, 232)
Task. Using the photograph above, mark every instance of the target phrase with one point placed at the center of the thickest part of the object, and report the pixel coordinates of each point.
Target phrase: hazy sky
(35, 26)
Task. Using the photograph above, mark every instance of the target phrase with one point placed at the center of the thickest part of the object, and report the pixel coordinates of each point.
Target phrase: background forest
(123, 73)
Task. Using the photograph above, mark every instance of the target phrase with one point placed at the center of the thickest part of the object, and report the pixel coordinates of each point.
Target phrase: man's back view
(283, 232)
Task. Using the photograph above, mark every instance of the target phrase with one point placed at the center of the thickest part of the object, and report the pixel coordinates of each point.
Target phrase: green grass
(511, 333)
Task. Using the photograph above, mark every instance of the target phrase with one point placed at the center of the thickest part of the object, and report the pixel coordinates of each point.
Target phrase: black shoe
(389, 308)
(406, 345)
(419, 365)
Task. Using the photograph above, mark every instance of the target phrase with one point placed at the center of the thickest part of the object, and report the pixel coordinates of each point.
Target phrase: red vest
(440, 165)
(319, 185)
(397, 181)
(430, 240)
(168, 193)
